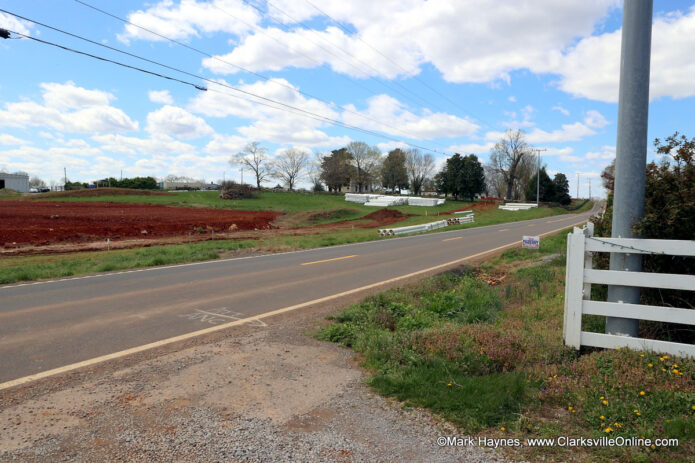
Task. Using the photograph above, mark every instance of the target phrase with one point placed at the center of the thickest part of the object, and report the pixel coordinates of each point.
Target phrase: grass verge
(483, 348)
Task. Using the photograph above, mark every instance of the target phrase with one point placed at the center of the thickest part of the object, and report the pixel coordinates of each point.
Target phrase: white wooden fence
(580, 276)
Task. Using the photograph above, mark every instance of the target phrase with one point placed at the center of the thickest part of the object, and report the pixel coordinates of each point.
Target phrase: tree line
(511, 172)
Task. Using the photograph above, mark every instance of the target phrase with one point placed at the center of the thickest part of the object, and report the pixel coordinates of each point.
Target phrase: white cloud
(561, 109)
(189, 18)
(157, 145)
(512, 99)
(69, 96)
(461, 39)
(9, 140)
(569, 132)
(397, 120)
(160, 96)
(177, 122)
(606, 152)
(91, 112)
(672, 66)
(526, 114)
(475, 148)
(274, 123)
(392, 145)
(10, 22)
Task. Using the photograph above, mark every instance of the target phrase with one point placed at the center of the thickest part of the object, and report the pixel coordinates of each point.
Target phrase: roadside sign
(531, 242)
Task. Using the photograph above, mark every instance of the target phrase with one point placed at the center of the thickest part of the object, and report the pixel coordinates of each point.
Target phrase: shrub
(233, 190)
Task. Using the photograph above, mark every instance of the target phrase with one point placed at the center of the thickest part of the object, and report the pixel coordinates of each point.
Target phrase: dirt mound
(379, 218)
(44, 222)
(91, 192)
(479, 206)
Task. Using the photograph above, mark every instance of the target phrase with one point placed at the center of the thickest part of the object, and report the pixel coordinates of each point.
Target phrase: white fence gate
(580, 276)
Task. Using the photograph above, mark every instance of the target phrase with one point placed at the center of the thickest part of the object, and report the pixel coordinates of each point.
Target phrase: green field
(301, 210)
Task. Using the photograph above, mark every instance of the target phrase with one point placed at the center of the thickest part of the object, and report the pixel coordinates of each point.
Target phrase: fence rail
(580, 276)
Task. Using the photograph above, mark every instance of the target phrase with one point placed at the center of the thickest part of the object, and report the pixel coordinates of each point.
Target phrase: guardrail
(413, 228)
(425, 226)
(517, 206)
(580, 276)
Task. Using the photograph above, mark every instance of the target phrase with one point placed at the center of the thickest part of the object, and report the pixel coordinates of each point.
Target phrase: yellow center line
(558, 220)
(532, 225)
(329, 260)
(505, 229)
(451, 239)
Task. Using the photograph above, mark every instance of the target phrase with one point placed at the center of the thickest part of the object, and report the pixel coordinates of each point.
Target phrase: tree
(35, 182)
(472, 177)
(507, 159)
(393, 172)
(546, 187)
(367, 161)
(562, 189)
(336, 169)
(256, 158)
(290, 166)
(419, 167)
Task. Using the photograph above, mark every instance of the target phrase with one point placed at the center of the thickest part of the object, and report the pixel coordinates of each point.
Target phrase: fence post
(574, 285)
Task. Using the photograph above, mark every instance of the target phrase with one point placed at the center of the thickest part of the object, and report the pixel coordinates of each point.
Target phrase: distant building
(192, 185)
(16, 182)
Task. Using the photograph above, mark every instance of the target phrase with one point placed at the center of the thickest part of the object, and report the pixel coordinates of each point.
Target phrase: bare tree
(507, 159)
(367, 161)
(290, 166)
(35, 182)
(256, 158)
(419, 168)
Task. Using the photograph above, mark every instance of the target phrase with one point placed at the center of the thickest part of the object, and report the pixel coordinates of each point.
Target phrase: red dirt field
(44, 223)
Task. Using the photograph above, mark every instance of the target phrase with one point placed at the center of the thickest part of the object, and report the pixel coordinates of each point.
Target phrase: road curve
(48, 324)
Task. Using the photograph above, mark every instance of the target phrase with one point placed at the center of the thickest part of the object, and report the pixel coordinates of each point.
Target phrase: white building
(16, 182)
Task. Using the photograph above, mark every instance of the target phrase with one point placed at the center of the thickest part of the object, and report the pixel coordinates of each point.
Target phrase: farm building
(16, 182)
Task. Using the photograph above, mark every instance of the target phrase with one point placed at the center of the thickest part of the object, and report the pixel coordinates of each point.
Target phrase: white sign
(531, 242)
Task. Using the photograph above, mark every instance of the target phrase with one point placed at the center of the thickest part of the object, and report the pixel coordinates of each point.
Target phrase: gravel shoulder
(263, 393)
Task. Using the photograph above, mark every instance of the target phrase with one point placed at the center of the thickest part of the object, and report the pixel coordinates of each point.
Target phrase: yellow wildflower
(608, 429)
(642, 392)
(603, 417)
(502, 428)
(605, 402)
(650, 365)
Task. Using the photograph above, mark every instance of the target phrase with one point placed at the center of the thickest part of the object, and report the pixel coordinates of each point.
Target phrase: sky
(444, 76)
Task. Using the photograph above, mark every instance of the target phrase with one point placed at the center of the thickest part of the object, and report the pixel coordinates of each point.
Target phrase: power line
(198, 87)
(340, 25)
(266, 78)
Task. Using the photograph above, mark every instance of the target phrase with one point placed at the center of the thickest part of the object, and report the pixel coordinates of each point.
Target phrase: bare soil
(45, 223)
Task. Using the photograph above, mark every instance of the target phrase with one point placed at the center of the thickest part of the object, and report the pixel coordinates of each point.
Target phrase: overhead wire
(285, 107)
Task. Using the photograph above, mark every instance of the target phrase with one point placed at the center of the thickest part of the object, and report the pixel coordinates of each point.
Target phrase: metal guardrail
(580, 276)
(425, 227)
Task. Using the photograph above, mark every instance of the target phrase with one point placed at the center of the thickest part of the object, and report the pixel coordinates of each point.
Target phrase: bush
(233, 190)
(669, 213)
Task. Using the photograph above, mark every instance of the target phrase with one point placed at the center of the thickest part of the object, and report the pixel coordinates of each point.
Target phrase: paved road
(49, 324)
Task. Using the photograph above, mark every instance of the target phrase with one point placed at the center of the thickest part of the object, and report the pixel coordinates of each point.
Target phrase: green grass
(14, 269)
(492, 360)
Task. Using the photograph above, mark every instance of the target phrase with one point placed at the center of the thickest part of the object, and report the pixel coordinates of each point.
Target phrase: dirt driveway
(256, 393)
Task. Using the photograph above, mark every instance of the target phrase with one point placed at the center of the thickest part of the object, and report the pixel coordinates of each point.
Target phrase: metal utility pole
(65, 178)
(242, 175)
(577, 185)
(589, 188)
(631, 150)
(538, 174)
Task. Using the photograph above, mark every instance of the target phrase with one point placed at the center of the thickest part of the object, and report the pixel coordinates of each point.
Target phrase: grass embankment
(491, 360)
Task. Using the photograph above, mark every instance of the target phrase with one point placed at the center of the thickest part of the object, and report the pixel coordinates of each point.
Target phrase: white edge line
(215, 261)
(183, 337)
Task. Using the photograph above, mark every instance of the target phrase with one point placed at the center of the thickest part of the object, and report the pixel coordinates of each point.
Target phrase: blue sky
(446, 75)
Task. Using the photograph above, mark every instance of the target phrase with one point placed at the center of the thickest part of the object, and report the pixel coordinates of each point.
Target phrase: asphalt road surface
(50, 324)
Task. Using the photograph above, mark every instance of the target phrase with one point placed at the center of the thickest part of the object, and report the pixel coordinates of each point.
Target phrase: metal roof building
(16, 182)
